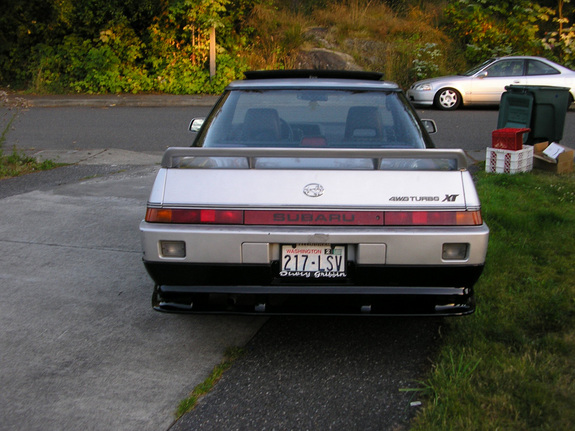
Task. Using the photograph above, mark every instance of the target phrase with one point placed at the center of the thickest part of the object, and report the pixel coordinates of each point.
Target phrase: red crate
(508, 139)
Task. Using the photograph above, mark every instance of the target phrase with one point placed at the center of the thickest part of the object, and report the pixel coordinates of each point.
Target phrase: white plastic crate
(509, 161)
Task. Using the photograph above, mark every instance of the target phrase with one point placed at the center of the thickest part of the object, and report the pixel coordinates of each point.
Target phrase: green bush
(120, 47)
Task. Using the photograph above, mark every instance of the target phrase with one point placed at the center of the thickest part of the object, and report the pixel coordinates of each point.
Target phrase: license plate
(313, 261)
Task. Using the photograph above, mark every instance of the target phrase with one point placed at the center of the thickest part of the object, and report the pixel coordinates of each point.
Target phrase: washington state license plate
(313, 261)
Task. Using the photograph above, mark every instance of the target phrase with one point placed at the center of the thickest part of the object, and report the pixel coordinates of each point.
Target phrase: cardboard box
(509, 161)
(563, 164)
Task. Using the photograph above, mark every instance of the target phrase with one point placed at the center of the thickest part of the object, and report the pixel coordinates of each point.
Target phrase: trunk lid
(312, 179)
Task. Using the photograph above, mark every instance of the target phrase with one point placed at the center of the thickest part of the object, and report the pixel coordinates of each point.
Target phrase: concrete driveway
(80, 347)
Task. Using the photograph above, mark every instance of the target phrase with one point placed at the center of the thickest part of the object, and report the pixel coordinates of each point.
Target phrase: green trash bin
(540, 108)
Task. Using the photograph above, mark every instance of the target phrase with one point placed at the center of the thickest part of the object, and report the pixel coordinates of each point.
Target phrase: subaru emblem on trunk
(313, 190)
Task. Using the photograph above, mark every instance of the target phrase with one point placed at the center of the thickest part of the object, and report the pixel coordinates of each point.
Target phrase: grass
(511, 366)
(188, 404)
(16, 164)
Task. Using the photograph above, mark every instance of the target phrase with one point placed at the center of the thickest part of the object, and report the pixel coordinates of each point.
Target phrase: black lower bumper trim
(334, 300)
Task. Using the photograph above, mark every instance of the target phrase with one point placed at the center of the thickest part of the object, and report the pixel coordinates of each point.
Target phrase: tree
(488, 28)
(560, 42)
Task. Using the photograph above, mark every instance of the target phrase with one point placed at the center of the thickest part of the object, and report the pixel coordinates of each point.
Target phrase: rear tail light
(433, 218)
(194, 216)
(314, 218)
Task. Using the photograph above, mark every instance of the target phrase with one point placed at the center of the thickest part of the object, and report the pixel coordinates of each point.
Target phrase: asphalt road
(323, 374)
(80, 128)
(154, 128)
(80, 346)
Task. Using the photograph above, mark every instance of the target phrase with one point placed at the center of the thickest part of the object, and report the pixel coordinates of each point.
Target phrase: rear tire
(447, 99)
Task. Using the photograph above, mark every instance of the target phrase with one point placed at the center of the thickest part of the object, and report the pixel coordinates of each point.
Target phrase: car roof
(313, 79)
(521, 57)
(527, 57)
(531, 57)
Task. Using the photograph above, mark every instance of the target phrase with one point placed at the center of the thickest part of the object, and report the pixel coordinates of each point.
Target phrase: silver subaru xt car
(313, 192)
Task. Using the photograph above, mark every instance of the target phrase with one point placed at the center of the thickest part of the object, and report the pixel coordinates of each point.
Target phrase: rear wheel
(447, 99)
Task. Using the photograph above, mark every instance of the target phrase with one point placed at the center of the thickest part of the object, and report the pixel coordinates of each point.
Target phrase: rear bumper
(261, 245)
(378, 291)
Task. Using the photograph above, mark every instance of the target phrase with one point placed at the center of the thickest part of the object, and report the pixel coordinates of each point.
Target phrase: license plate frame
(313, 261)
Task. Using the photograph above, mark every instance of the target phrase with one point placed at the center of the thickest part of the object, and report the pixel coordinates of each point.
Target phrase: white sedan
(484, 84)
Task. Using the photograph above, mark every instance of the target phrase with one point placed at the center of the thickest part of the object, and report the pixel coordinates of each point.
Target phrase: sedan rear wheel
(447, 99)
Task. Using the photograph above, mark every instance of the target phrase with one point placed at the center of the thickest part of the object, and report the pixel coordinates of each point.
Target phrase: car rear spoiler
(173, 155)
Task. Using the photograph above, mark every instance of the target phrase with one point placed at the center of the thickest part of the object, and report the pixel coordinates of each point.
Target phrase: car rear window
(312, 119)
(536, 67)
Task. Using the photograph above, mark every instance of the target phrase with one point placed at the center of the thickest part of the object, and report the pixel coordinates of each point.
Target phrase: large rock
(325, 59)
